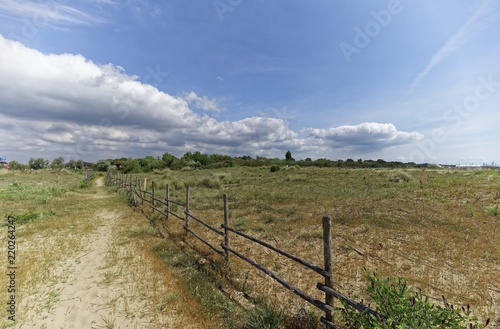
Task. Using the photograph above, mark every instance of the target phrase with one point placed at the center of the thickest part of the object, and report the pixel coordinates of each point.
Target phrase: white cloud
(366, 135)
(66, 105)
(483, 16)
(203, 103)
(46, 12)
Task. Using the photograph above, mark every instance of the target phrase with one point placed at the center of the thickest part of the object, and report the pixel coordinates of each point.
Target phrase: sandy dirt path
(106, 285)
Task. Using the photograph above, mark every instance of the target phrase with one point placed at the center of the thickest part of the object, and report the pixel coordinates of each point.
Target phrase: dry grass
(434, 227)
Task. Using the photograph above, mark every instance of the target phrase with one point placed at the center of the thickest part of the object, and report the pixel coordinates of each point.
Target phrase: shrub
(209, 183)
(401, 177)
(403, 306)
(275, 168)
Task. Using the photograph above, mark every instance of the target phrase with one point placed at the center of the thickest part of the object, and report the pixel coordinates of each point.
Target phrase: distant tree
(323, 162)
(79, 164)
(132, 167)
(167, 159)
(149, 163)
(57, 163)
(101, 165)
(38, 163)
(196, 159)
(178, 164)
(288, 156)
(351, 163)
(14, 165)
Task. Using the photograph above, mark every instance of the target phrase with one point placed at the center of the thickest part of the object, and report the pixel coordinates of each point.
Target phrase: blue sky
(399, 80)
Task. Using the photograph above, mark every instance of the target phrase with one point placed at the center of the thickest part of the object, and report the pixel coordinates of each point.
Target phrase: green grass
(199, 280)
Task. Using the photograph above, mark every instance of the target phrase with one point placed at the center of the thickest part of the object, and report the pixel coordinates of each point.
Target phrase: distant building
(4, 163)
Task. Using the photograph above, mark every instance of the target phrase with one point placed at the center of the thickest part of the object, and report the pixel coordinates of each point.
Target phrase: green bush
(406, 307)
(275, 168)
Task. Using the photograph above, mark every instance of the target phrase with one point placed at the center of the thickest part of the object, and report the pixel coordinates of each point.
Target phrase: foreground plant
(406, 307)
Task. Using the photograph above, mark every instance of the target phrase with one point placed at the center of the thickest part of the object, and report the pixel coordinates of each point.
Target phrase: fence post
(152, 196)
(167, 198)
(327, 251)
(130, 183)
(187, 206)
(226, 231)
(138, 189)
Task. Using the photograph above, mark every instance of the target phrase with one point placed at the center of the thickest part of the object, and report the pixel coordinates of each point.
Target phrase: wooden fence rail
(134, 187)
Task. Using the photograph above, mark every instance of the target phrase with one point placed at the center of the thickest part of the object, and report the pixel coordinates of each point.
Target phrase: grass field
(437, 228)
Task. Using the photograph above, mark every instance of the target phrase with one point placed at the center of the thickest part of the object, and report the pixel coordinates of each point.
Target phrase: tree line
(199, 160)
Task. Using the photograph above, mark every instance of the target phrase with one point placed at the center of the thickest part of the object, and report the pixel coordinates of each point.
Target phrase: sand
(99, 287)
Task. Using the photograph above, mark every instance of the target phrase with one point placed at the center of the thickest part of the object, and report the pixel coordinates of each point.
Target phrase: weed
(266, 316)
(108, 322)
(241, 223)
(143, 232)
(493, 210)
(110, 276)
(26, 217)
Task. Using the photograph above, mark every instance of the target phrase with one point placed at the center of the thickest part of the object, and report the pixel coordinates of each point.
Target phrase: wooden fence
(89, 175)
(163, 206)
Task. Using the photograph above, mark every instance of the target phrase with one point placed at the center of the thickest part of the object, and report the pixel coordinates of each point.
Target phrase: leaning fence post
(138, 189)
(327, 250)
(226, 231)
(167, 198)
(187, 206)
(152, 196)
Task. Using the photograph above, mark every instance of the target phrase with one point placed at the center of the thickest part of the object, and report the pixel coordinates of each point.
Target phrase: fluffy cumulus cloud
(365, 135)
(203, 103)
(66, 105)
